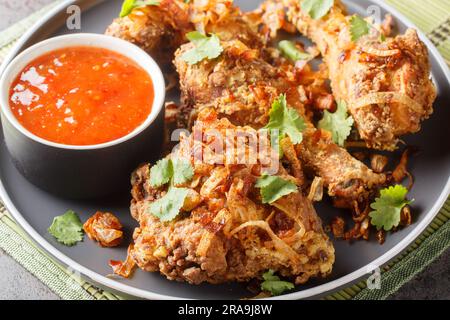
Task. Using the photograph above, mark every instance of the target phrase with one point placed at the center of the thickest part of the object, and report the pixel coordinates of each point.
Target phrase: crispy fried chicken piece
(234, 84)
(346, 178)
(161, 29)
(269, 17)
(241, 86)
(105, 228)
(225, 232)
(386, 84)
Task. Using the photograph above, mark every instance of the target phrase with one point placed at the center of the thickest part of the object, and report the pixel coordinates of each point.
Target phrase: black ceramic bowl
(83, 171)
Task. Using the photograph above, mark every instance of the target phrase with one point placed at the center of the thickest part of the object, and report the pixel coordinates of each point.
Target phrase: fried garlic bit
(105, 228)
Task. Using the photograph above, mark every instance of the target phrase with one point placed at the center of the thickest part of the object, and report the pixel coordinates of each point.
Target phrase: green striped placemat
(432, 16)
(63, 281)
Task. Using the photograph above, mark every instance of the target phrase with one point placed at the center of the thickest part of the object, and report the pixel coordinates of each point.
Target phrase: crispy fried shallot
(401, 171)
(316, 190)
(124, 268)
(105, 228)
(380, 236)
(378, 162)
(337, 227)
(405, 216)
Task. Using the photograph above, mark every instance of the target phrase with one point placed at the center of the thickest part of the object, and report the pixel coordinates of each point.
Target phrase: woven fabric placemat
(432, 17)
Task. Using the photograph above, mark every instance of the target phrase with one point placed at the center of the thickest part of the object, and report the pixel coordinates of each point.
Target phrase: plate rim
(146, 294)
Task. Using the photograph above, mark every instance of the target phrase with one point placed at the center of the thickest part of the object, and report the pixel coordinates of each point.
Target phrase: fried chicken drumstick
(385, 82)
(158, 30)
(225, 233)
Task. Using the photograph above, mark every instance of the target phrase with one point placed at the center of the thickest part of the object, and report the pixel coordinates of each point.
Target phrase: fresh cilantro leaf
(205, 47)
(337, 123)
(182, 171)
(176, 171)
(359, 27)
(274, 284)
(67, 228)
(289, 49)
(161, 173)
(388, 207)
(273, 188)
(196, 37)
(129, 5)
(286, 120)
(169, 206)
(317, 8)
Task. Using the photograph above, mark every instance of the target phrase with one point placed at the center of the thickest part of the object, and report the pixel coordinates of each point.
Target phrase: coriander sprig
(338, 123)
(175, 172)
(204, 47)
(388, 207)
(286, 120)
(274, 284)
(273, 188)
(67, 228)
(359, 27)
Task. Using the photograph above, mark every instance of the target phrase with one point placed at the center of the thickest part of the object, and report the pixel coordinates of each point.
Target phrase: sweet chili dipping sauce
(81, 96)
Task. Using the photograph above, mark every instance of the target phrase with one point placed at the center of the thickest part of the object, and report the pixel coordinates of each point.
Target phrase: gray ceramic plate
(34, 209)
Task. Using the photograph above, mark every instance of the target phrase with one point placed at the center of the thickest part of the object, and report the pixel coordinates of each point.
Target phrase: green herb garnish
(388, 207)
(274, 284)
(129, 5)
(174, 171)
(205, 47)
(163, 171)
(286, 120)
(317, 8)
(289, 50)
(182, 171)
(273, 188)
(168, 207)
(338, 123)
(67, 228)
(359, 28)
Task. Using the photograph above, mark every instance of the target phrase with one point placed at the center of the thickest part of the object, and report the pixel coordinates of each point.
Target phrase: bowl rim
(122, 47)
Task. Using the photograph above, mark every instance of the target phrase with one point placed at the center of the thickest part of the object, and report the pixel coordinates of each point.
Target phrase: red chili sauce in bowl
(81, 96)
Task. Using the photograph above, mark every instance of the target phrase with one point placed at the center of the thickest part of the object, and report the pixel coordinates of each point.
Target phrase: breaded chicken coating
(241, 86)
(385, 81)
(224, 232)
(161, 29)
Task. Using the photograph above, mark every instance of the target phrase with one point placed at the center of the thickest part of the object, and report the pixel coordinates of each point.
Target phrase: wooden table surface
(17, 283)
